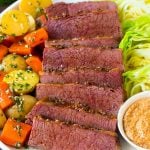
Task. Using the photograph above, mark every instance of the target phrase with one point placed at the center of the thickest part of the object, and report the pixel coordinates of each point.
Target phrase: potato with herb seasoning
(2, 119)
(23, 105)
(34, 7)
(15, 22)
(13, 62)
(22, 81)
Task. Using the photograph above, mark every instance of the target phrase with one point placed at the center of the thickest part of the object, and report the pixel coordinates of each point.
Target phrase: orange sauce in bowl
(136, 123)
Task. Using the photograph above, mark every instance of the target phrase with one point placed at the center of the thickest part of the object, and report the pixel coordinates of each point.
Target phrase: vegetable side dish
(21, 42)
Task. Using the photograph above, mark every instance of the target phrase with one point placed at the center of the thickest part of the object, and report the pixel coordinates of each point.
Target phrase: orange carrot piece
(36, 37)
(3, 51)
(5, 96)
(9, 40)
(35, 63)
(41, 20)
(20, 48)
(2, 74)
(15, 133)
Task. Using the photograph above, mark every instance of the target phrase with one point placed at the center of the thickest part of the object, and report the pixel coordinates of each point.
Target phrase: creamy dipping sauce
(137, 123)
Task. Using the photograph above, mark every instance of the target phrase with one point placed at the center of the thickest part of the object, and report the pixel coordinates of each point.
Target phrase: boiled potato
(15, 22)
(31, 23)
(23, 105)
(13, 62)
(22, 81)
(34, 7)
(2, 119)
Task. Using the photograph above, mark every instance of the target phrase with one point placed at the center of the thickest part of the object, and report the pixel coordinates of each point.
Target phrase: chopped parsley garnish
(14, 16)
(39, 10)
(19, 102)
(18, 145)
(18, 128)
(2, 37)
(29, 69)
(14, 57)
(13, 65)
(20, 75)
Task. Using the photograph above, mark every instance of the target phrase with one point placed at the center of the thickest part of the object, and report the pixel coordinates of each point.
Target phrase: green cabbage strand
(136, 81)
(132, 9)
(136, 43)
(136, 55)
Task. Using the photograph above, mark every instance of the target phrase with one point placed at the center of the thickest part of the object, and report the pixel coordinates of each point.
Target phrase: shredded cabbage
(136, 55)
(132, 9)
(136, 43)
(136, 81)
(135, 58)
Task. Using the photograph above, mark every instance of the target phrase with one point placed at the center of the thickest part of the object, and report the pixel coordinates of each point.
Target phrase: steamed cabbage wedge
(136, 81)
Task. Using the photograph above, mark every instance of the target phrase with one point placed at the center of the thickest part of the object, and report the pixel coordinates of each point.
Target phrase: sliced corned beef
(50, 135)
(107, 100)
(81, 57)
(112, 78)
(64, 10)
(101, 42)
(65, 113)
(85, 25)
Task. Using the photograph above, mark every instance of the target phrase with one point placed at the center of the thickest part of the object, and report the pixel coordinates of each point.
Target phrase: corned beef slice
(107, 100)
(50, 135)
(101, 42)
(81, 79)
(64, 10)
(81, 57)
(111, 78)
(75, 116)
(85, 25)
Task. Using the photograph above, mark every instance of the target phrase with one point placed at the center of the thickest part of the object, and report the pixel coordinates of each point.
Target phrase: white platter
(124, 144)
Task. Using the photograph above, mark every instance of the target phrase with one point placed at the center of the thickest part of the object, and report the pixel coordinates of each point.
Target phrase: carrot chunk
(9, 40)
(2, 74)
(3, 51)
(5, 96)
(41, 20)
(15, 133)
(20, 48)
(36, 37)
(35, 63)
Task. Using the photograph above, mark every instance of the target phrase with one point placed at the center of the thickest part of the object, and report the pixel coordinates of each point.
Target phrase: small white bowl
(122, 111)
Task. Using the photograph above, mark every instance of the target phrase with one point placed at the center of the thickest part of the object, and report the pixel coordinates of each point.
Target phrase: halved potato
(34, 7)
(13, 62)
(23, 105)
(22, 81)
(15, 22)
